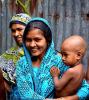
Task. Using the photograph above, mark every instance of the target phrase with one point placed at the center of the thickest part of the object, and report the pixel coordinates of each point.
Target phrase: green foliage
(24, 6)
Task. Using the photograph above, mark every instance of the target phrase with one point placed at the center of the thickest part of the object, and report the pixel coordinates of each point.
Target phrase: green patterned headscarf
(21, 18)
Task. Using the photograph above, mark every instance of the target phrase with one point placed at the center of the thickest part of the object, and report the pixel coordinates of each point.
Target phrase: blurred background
(66, 17)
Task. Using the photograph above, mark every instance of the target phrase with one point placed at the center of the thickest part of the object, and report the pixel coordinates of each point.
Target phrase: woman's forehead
(35, 32)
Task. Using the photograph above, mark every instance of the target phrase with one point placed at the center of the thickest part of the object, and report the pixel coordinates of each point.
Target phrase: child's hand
(54, 71)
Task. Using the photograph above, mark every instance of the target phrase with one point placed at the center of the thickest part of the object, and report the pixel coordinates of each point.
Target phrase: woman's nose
(16, 33)
(33, 43)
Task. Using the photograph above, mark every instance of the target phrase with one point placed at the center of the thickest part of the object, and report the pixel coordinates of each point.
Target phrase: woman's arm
(74, 97)
(83, 91)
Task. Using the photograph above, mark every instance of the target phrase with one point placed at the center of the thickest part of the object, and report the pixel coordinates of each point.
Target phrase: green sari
(8, 61)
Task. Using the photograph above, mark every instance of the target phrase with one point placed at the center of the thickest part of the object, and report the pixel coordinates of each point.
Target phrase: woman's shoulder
(21, 64)
(56, 58)
(22, 60)
(58, 55)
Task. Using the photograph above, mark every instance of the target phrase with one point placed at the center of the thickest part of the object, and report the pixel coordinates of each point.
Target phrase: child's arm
(60, 83)
(54, 71)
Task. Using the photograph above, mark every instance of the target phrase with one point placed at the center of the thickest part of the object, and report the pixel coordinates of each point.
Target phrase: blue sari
(38, 85)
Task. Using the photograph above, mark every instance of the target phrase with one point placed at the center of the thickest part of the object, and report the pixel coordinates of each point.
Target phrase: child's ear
(79, 55)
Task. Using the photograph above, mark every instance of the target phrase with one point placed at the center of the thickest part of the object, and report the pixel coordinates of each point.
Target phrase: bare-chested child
(73, 49)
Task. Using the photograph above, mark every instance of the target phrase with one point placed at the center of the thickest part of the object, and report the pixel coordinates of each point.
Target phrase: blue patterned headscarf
(41, 24)
(40, 86)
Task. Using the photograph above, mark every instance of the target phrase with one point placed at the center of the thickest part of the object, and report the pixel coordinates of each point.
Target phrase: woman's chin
(34, 54)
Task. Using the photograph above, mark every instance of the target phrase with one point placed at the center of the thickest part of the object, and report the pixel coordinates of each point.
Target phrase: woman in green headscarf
(33, 69)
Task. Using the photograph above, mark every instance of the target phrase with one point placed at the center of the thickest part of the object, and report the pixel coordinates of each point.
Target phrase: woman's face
(36, 42)
(17, 32)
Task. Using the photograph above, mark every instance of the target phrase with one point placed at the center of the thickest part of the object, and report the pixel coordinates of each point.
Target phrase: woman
(33, 69)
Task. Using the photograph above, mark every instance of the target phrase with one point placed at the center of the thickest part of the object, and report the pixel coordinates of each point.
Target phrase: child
(73, 49)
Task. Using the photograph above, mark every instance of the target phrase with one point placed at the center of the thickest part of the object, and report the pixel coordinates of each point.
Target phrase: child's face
(69, 56)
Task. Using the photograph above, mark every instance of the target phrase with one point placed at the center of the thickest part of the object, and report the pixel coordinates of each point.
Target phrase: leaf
(24, 6)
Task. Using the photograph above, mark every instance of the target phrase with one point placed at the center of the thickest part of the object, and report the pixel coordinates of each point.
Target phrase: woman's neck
(36, 61)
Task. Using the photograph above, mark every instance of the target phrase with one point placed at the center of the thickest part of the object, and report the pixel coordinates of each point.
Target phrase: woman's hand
(74, 97)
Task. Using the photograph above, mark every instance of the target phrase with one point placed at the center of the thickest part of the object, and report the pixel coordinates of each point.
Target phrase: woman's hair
(40, 25)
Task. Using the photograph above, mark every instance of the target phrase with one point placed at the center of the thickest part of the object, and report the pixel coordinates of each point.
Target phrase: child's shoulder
(75, 71)
(71, 70)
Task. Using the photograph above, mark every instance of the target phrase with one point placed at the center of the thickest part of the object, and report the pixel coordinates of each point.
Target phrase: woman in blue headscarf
(33, 69)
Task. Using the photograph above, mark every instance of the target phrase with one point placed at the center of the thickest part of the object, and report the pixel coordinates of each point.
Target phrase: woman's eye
(37, 40)
(28, 40)
(12, 30)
